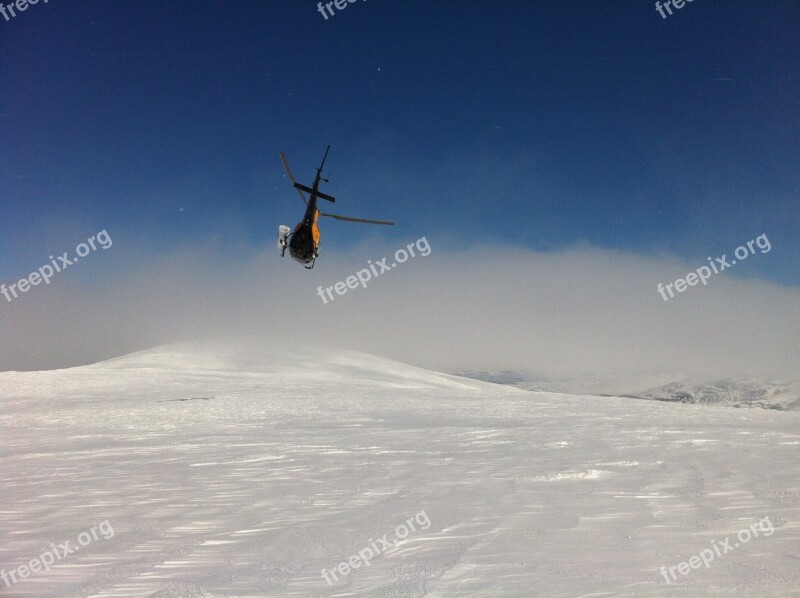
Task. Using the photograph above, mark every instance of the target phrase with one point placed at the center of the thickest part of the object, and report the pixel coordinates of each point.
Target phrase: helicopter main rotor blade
(291, 177)
(349, 219)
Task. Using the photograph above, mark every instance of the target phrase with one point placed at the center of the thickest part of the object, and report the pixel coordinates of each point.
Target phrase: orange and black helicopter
(303, 243)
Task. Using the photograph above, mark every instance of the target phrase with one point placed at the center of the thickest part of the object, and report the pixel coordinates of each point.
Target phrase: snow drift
(238, 468)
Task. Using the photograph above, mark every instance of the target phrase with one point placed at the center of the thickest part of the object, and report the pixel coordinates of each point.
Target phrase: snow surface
(232, 469)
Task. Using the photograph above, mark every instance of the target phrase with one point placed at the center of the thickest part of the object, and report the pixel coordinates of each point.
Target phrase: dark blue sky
(535, 124)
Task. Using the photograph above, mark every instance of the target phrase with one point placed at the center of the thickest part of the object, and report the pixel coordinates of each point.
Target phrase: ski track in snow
(295, 461)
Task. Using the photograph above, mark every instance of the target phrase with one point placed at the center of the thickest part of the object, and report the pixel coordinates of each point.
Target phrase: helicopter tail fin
(320, 194)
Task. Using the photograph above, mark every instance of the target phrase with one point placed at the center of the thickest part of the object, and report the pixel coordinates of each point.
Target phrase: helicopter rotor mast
(319, 170)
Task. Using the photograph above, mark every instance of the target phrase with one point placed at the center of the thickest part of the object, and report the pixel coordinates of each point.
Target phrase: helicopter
(303, 243)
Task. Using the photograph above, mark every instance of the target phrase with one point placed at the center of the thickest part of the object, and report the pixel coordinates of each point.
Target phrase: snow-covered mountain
(241, 468)
(748, 392)
(766, 394)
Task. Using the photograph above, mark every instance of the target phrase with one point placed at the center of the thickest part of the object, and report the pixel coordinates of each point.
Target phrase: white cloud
(570, 313)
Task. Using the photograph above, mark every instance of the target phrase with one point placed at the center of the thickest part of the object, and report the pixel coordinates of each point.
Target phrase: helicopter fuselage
(304, 242)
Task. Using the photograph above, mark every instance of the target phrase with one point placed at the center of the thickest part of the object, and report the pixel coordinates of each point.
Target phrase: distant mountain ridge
(727, 392)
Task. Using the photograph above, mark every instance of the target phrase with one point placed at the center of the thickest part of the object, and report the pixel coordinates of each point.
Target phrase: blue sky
(540, 124)
(512, 126)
